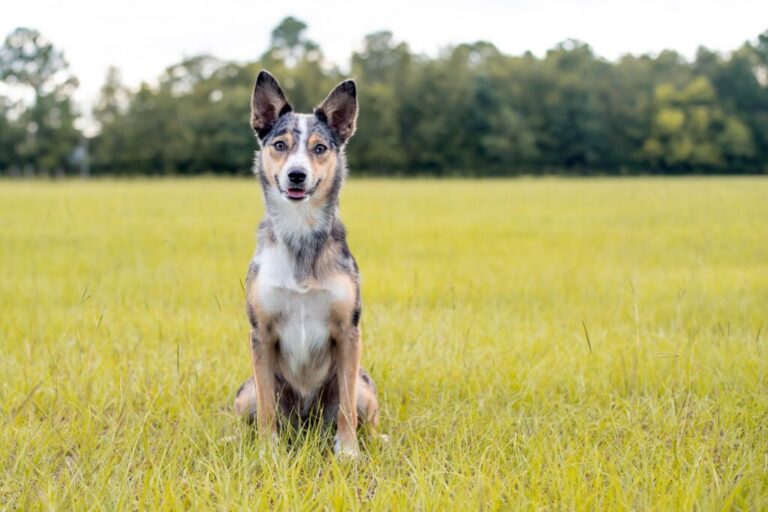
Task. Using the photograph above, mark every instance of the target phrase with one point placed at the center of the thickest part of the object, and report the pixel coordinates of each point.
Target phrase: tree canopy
(471, 110)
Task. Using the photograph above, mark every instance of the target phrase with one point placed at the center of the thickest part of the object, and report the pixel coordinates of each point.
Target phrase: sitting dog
(303, 285)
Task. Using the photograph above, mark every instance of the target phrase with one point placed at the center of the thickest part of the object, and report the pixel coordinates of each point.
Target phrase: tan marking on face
(273, 159)
(323, 167)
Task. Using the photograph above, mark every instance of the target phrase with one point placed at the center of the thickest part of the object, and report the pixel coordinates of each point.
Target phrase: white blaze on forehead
(300, 157)
(291, 219)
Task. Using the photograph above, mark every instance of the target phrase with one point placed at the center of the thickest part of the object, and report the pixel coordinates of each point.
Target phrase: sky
(143, 37)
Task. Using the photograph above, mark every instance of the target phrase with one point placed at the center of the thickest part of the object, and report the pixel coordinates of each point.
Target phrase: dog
(303, 284)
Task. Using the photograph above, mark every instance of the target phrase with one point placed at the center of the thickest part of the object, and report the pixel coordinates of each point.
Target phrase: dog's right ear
(268, 103)
(339, 109)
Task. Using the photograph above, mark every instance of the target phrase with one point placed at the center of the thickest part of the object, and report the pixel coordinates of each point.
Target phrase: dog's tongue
(295, 193)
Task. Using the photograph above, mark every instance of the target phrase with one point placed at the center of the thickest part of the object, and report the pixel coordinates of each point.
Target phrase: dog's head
(302, 154)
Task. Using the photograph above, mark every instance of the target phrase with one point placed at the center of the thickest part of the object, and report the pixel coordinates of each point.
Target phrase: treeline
(472, 110)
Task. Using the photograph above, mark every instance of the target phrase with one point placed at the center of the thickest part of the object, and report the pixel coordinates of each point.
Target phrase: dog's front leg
(263, 358)
(348, 367)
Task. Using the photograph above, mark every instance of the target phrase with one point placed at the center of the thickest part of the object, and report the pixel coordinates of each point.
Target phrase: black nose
(297, 176)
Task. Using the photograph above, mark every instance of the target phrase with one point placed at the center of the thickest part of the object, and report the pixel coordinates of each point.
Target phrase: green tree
(30, 62)
(382, 67)
(109, 150)
(288, 43)
(11, 137)
(692, 132)
(469, 110)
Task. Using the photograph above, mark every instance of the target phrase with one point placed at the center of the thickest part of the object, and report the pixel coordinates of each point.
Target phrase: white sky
(142, 37)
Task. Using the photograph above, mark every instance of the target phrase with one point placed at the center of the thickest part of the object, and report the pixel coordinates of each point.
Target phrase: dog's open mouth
(296, 194)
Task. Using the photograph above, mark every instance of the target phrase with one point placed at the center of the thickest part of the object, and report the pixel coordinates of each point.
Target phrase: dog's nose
(297, 176)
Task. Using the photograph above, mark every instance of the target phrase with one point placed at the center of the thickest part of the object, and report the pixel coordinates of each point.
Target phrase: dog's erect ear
(339, 110)
(268, 103)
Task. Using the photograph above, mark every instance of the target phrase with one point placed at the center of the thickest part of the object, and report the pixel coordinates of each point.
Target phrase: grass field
(537, 344)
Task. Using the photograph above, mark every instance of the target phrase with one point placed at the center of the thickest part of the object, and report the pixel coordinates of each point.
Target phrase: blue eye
(280, 145)
(320, 149)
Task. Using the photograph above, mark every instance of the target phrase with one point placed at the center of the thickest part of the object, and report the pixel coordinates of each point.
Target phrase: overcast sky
(142, 37)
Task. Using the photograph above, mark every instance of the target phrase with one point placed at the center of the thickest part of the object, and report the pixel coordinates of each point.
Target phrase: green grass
(578, 344)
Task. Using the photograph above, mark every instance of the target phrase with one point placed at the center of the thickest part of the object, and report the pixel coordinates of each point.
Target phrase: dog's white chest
(302, 315)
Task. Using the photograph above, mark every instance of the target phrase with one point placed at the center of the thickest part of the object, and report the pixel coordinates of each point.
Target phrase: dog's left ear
(339, 110)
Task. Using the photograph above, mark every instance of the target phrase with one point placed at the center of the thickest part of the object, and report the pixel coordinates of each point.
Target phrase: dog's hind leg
(367, 403)
(287, 400)
(245, 401)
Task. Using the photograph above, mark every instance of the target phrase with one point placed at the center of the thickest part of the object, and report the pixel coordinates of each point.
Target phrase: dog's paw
(269, 448)
(342, 451)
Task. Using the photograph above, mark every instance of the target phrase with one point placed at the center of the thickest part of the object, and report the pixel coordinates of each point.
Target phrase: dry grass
(578, 344)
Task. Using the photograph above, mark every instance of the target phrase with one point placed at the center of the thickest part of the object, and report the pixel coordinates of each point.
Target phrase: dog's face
(300, 152)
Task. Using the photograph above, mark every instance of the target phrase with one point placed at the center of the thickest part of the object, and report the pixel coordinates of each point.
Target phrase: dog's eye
(320, 149)
(280, 146)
